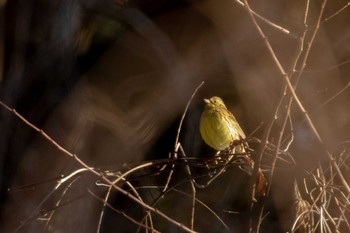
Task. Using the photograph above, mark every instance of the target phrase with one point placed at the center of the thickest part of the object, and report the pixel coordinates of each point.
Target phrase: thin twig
(178, 133)
(278, 146)
(278, 27)
(337, 12)
(334, 96)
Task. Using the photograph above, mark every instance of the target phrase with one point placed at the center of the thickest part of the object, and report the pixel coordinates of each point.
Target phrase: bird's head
(214, 102)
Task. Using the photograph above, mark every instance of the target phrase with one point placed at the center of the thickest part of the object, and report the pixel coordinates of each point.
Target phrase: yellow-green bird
(218, 127)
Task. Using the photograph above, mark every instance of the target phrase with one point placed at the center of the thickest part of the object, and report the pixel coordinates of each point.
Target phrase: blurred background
(109, 81)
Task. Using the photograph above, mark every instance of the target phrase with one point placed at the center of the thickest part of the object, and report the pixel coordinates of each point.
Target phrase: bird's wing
(236, 125)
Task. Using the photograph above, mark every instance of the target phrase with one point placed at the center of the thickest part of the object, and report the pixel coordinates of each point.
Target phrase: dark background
(109, 81)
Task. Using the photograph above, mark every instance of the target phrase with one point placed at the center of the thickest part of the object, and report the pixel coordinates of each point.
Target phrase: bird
(221, 131)
(218, 127)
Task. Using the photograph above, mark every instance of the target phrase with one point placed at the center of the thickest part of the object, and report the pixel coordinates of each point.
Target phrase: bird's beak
(206, 101)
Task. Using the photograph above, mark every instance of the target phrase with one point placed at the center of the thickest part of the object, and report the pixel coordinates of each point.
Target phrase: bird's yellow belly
(215, 133)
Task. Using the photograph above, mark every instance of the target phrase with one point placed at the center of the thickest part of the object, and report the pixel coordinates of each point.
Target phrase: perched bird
(221, 131)
(218, 127)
